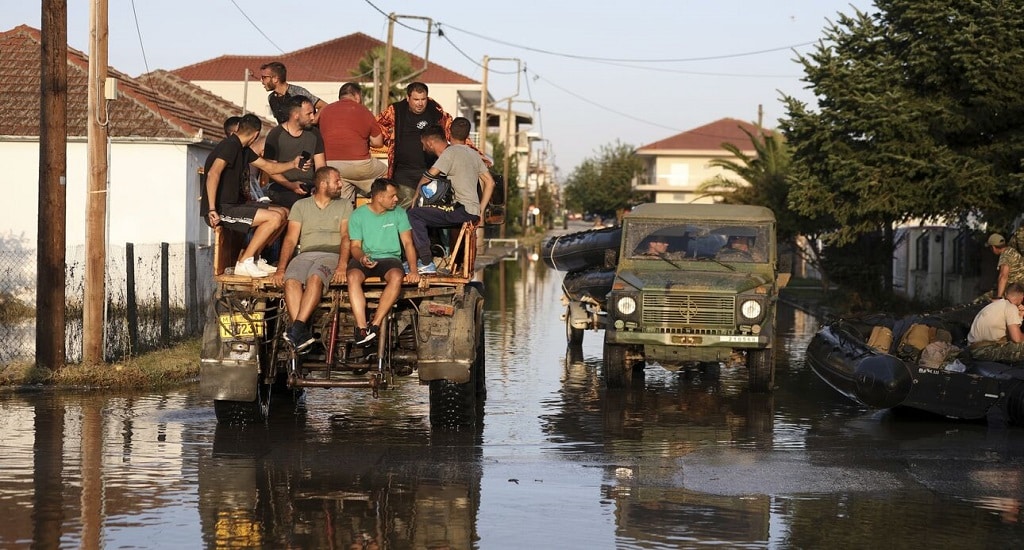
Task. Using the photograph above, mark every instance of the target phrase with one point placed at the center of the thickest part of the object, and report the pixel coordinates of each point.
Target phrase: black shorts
(380, 270)
(239, 217)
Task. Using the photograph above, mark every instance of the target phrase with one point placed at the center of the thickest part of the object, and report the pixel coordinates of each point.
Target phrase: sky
(595, 73)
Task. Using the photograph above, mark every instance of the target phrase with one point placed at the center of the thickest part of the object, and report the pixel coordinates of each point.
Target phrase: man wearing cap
(1010, 266)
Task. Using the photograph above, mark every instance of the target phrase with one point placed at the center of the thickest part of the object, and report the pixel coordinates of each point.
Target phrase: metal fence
(156, 295)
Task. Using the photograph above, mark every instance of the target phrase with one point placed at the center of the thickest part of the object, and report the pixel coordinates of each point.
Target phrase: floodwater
(558, 461)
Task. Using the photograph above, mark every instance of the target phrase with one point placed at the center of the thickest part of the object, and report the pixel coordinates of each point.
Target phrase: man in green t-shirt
(318, 227)
(379, 233)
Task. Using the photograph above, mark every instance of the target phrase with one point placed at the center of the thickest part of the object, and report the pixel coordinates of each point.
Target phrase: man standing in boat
(995, 333)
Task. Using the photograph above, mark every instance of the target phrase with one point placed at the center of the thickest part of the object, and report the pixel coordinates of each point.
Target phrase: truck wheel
(454, 405)
(242, 412)
(761, 369)
(618, 369)
(573, 335)
(481, 352)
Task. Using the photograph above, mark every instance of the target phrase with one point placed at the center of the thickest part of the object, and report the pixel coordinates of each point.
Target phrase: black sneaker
(367, 335)
(301, 339)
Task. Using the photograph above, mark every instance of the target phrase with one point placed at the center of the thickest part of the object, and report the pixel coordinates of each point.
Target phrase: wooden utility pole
(386, 88)
(53, 137)
(94, 300)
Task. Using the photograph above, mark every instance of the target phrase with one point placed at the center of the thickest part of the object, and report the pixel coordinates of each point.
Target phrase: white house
(157, 146)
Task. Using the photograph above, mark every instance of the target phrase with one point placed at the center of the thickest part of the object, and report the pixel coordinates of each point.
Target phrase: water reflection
(558, 461)
(279, 487)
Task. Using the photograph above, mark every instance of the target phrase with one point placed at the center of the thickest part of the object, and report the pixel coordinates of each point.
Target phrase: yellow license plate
(238, 325)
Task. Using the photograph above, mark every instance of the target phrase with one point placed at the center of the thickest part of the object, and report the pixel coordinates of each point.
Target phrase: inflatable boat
(592, 284)
(583, 250)
(919, 362)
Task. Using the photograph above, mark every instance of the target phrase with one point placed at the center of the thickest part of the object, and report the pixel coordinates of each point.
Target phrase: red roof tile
(211, 105)
(708, 137)
(331, 61)
(139, 111)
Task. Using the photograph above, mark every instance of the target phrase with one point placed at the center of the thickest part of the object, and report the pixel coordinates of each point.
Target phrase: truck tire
(454, 405)
(573, 335)
(242, 412)
(761, 369)
(618, 368)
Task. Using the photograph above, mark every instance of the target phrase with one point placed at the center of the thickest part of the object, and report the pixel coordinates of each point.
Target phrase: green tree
(401, 68)
(604, 184)
(763, 179)
(514, 204)
(919, 117)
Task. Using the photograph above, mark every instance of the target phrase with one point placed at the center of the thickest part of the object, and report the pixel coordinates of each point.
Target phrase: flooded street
(558, 462)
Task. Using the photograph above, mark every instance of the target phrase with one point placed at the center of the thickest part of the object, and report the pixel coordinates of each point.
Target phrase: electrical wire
(628, 60)
(604, 107)
(255, 26)
(138, 30)
(388, 15)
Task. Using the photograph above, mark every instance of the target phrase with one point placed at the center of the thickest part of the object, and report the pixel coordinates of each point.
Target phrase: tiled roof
(708, 137)
(139, 111)
(332, 61)
(211, 105)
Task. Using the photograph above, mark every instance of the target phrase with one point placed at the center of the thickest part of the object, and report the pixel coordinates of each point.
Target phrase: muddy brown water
(558, 461)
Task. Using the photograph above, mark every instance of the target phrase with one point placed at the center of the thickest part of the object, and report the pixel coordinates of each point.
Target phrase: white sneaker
(265, 266)
(249, 269)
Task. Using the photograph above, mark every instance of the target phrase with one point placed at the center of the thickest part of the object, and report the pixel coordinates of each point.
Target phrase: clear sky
(598, 71)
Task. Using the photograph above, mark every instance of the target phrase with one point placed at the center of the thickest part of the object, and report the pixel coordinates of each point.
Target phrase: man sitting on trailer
(465, 168)
(318, 227)
(379, 232)
(995, 333)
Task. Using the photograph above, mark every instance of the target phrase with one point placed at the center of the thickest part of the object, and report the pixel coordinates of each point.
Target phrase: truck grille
(683, 309)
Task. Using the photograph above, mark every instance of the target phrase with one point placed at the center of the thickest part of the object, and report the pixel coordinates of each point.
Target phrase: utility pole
(482, 127)
(386, 88)
(53, 137)
(94, 300)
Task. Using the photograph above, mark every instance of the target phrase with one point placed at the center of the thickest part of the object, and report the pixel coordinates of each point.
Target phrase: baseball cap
(995, 239)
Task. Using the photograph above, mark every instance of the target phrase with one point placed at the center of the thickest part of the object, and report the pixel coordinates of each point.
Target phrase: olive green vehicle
(695, 285)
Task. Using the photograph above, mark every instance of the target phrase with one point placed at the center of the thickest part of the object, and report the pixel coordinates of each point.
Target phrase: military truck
(693, 284)
(435, 332)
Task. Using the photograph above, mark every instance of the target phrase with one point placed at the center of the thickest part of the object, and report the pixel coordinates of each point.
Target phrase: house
(677, 165)
(322, 69)
(160, 132)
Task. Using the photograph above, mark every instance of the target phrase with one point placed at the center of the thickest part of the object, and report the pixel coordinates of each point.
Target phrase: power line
(388, 15)
(626, 60)
(138, 30)
(255, 26)
(604, 107)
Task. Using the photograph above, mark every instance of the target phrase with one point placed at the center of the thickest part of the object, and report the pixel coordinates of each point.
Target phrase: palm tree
(764, 179)
(401, 68)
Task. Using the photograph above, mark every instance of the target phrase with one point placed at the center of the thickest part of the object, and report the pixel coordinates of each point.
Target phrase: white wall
(153, 192)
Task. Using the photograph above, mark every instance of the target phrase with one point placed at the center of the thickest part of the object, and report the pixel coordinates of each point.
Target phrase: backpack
(438, 192)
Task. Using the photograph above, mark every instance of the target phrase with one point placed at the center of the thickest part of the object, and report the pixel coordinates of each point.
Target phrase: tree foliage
(401, 68)
(763, 179)
(603, 184)
(919, 116)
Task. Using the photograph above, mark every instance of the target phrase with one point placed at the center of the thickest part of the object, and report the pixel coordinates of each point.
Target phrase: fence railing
(156, 295)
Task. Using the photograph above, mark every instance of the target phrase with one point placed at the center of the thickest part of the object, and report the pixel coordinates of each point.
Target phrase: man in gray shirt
(464, 167)
(319, 225)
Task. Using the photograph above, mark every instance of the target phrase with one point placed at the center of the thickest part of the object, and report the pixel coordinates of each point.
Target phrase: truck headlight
(751, 309)
(626, 305)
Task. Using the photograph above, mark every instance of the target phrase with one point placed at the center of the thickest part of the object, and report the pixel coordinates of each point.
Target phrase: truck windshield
(728, 243)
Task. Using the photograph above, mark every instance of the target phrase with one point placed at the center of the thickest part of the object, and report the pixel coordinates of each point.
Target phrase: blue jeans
(422, 218)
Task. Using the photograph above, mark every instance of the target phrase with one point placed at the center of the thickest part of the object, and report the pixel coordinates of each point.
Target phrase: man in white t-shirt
(995, 333)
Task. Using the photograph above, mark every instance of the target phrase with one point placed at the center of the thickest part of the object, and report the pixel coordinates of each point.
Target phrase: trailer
(434, 332)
